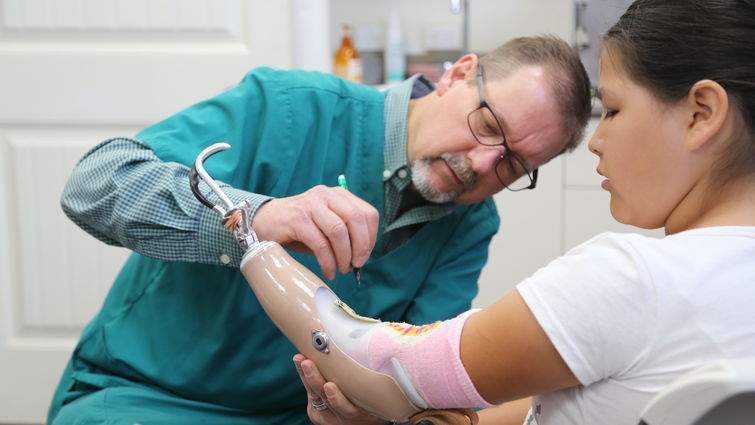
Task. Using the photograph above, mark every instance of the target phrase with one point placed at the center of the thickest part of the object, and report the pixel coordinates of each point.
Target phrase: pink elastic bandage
(428, 355)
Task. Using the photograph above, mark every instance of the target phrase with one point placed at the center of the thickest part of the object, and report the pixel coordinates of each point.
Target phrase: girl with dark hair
(595, 334)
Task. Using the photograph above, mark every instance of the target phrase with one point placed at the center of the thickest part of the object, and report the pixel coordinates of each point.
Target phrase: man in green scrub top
(181, 338)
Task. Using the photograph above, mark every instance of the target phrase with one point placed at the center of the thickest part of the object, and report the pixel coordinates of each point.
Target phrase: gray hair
(567, 75)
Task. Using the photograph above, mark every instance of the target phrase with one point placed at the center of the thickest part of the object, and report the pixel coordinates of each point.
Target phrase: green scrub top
(196, 332)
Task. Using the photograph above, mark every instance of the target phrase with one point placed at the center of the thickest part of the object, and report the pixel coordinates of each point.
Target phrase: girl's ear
(460, 70)
(709, 106)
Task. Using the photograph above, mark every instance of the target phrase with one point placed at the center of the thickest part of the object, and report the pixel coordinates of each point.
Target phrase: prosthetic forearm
(391, 369)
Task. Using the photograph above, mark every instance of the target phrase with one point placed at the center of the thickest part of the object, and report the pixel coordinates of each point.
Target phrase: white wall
(491, 22)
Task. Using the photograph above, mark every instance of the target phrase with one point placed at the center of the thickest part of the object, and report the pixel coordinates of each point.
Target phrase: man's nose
(485, 158)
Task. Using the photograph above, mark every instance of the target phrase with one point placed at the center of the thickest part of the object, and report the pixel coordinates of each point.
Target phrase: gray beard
(421, 177)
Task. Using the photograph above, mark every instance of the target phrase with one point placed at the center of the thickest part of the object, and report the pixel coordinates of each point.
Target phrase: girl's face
(640, 143)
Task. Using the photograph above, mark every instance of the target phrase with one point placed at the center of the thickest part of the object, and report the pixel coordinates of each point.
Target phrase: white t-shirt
(629, 313)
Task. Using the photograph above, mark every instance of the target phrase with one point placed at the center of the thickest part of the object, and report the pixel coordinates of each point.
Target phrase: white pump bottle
(395, 59)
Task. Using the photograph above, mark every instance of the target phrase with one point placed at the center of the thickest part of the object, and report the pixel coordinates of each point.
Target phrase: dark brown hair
(567, 75)
(669, 45)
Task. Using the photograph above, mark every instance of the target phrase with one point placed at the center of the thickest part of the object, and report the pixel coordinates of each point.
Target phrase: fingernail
(307, 370)
(329, 391)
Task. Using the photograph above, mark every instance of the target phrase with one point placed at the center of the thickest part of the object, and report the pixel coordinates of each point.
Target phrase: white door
(72, 73)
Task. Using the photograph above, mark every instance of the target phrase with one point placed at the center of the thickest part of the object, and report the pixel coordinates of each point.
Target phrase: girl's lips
(605, 184)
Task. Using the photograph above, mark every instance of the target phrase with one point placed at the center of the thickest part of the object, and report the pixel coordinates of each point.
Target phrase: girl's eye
(609, 114)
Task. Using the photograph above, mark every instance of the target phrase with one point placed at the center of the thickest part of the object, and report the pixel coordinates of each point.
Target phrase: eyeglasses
(488, 131)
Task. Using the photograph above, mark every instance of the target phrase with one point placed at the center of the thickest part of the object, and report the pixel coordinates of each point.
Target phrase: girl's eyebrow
(602, 92)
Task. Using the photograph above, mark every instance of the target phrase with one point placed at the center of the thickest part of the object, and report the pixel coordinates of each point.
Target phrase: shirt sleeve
(121, 193)
(597, 304)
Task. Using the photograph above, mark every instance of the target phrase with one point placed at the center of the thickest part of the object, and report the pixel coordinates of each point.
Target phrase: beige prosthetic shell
(286, 290)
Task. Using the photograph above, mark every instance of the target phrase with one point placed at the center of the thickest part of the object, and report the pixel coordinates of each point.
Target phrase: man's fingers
(340, 409)
(338, 234)
(373, 224)
(339, 403)
(333, 224)
(311, 383)
(328, 391)
(361, 219)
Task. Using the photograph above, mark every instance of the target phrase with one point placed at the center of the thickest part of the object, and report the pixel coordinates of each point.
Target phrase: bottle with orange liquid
(347, 63)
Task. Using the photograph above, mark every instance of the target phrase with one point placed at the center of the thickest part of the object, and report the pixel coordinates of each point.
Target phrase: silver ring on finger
(320, 407)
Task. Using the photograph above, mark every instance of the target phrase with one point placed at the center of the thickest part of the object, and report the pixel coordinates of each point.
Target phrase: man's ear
(458, 71)
(709, 106)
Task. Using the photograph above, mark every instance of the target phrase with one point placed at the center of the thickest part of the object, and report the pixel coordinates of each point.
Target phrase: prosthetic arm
(391, 370)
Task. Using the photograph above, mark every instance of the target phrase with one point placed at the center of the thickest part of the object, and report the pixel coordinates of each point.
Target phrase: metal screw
(320, 341)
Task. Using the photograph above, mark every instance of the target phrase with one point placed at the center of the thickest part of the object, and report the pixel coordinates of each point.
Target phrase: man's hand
(338, 227)
(339, 410)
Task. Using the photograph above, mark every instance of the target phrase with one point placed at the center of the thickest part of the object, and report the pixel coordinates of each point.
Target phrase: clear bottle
(347, 63)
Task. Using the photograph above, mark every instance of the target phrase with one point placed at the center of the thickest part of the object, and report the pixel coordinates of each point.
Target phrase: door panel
(72, 73)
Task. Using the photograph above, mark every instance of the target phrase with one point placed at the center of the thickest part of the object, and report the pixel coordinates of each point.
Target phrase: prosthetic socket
(339, 341)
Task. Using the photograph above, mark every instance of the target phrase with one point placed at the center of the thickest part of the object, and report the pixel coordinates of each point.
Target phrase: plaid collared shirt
(398, 228)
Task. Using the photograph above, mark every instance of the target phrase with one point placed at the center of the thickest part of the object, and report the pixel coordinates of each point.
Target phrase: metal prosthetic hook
(235, 217)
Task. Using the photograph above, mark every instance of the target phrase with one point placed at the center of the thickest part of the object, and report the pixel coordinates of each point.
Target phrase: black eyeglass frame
(532, 176)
